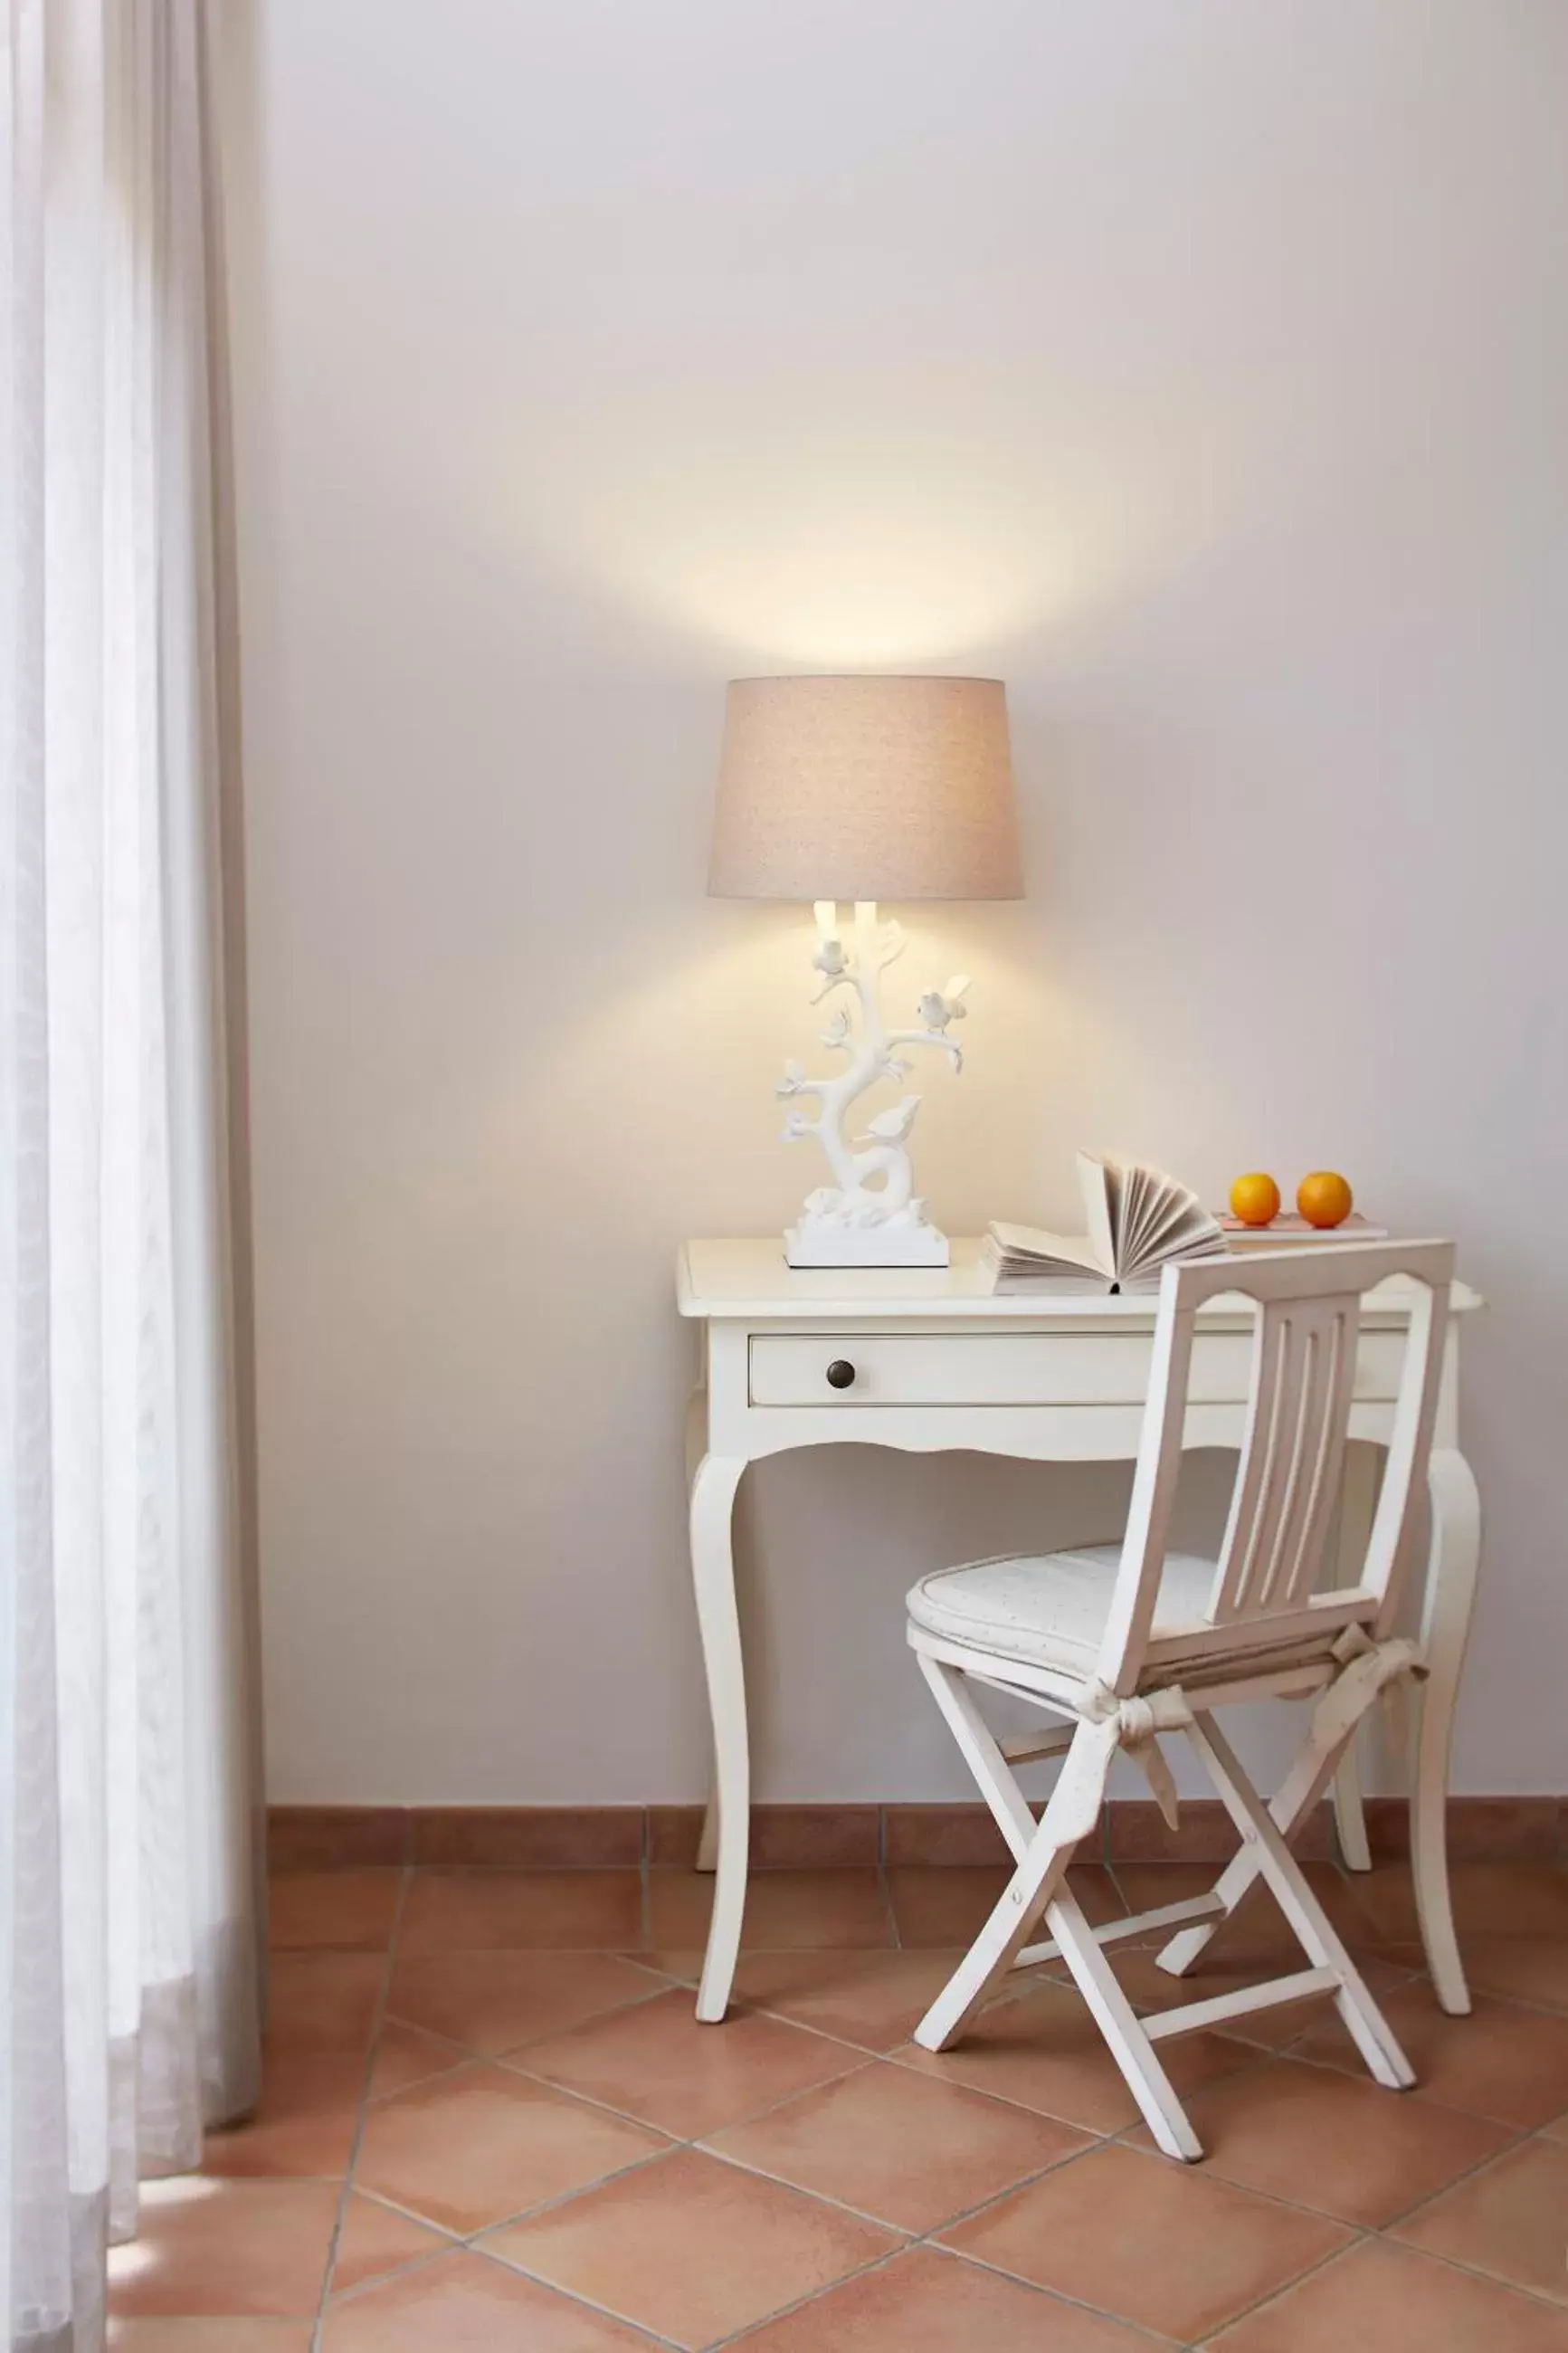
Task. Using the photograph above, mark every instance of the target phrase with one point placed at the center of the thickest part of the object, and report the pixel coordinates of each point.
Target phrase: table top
(750, 1280)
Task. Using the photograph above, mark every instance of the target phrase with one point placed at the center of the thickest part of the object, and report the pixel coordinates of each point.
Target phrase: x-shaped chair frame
(1042, 1852)
(1267, 1632)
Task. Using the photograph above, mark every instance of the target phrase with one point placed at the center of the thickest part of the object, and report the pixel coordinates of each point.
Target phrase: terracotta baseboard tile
(337, 1838)
(1136, 1831)
(672, 1835)
(940, 1834)
(1388, 1826)
(523, 1838)
(816, 1838)
(1480, 1829)
(848, 1837)
(1318, 1840)
(784, 1838)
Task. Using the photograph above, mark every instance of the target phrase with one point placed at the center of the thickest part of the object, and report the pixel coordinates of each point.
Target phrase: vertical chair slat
(1320, 1486)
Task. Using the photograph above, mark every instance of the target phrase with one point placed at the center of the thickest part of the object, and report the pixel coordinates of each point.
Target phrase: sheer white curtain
(128, 1995)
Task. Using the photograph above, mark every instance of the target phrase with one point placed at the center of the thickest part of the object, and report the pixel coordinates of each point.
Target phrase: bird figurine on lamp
(875, 788)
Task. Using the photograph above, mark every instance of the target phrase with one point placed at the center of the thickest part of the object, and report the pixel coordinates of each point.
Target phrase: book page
(1031, 1250)
(1177, 1225)
(1097, 1181)
(1143, 1195)
(1139, 1218)
(1174, 1217)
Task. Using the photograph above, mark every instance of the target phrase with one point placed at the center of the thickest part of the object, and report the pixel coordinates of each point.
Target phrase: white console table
(927, 1359)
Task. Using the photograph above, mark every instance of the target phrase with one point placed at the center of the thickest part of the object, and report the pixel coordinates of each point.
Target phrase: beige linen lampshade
(847, 789)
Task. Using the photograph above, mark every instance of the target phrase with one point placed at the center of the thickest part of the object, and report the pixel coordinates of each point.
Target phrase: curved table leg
(696, 1448)
(1444, 1631)
(1358, 1504)
(713, 1486)
(1350, 1821)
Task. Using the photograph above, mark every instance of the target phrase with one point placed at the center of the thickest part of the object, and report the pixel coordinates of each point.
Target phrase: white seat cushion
(1049, 1610)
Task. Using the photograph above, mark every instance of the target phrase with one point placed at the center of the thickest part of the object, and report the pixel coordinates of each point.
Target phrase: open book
(1138, 1219)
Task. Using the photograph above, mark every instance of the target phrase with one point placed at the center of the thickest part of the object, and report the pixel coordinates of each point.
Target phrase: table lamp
(864, 789)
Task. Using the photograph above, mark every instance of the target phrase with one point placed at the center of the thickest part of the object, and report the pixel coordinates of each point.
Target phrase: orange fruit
(1325, 1199)
(1255, 1200)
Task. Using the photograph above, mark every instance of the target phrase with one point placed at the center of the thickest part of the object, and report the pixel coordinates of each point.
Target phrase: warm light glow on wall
(797, 524)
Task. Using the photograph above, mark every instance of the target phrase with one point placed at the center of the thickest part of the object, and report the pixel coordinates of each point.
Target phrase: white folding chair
(1127, 1642)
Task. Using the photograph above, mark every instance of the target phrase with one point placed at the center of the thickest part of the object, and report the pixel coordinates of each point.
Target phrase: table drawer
(1013, 1368)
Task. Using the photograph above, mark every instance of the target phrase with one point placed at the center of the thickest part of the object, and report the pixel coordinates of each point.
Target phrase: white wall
(1197, 366)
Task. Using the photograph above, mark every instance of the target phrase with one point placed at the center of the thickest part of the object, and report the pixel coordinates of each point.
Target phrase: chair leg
(1123, 2032)
(1034, 1885)
(982, 1754)
(1303, 1786)
(1360, 1479)
(1374, 2036)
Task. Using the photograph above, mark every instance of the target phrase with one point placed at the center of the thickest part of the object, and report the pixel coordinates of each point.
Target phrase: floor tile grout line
(1359, 2238)
(803, 2302)
(696, 2145)
(709, 2345)
(502, 2263)
(909, 2240)
(406, 2213)
(509, 2057)
(927, 2244)
(913, 2239)
(911, 2236)
(571, 2296)
(418, 2082)
(1379, 2234)
(1360, 2232)
(1482, 2165)
(894, 1923)
(474, 2242)
(1295, 2206)
(1519, 2138)
(421, 2262)
(512, 2060)
(1412, 2093)
(1052, 2294)
(346, 2192)
(863, 2061)
(1470, 2271)
(895, 2058)
(859, 2061)
(455, 2241)
(675, 2144)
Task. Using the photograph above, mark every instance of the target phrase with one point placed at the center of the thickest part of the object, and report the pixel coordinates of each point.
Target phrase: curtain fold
(127, 1972)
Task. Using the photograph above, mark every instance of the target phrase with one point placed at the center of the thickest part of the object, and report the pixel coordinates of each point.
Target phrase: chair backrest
(1266, 1594)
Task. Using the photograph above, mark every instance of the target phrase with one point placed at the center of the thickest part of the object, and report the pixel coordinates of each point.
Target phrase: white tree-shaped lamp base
(870, 1216)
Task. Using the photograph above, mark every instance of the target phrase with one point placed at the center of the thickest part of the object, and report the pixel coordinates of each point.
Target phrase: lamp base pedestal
(901, 1241)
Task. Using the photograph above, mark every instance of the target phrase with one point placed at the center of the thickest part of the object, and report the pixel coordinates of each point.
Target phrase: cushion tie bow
(1130, 1725)
(1368, 1669)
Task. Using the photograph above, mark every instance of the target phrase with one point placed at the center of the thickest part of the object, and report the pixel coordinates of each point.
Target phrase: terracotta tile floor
(490, 2121)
